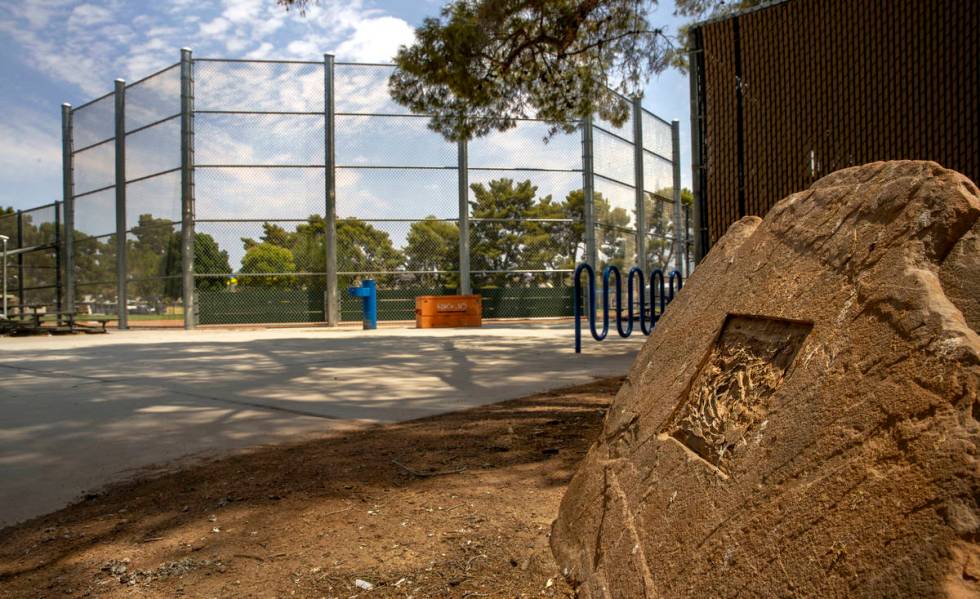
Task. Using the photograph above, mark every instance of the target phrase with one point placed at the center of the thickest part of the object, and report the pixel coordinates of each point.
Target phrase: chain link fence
(222, 191)
(32, 254)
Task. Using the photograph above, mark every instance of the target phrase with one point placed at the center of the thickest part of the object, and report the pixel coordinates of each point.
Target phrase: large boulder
(804, 420)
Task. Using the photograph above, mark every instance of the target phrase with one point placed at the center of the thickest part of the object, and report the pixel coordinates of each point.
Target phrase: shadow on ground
(452, 505)
(78, 417)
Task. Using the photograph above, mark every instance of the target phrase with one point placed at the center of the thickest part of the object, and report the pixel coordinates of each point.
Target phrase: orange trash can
(445, 311)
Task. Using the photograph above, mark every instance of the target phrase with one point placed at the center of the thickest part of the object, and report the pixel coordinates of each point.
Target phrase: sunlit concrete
(78, 412)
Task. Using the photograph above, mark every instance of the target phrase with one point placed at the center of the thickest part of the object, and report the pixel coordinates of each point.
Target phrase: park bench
(30, 319)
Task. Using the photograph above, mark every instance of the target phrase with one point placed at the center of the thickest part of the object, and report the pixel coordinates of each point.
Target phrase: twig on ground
(346, 509)
(470, 561)
(245, 555)
(424, 474)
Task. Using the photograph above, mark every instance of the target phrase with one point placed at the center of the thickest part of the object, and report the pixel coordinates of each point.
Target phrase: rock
(804, 420)
(363, 584)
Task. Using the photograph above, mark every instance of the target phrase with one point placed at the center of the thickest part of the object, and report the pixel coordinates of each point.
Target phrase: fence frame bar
(463, 160)
(122, 297)
(588, 190)
(641, 209)
(68, 205)
(675, 147)
(695, 61)
(187, 188)
(65, 257)
(20, 260)
(57, 256)
(331, 305)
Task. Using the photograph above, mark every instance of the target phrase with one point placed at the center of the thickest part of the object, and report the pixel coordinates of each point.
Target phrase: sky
(57, 51)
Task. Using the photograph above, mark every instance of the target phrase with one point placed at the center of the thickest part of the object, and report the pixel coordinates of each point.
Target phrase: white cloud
(236, 45)
(31, 154)
(38, 14)
(263, 51)
(303, 48)
(86, 15)
(376, 40)
(243, 11)
(29, 145)
(215, 27)
(80, 46)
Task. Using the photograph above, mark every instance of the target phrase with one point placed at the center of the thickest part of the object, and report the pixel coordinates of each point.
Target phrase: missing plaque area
(729, 396)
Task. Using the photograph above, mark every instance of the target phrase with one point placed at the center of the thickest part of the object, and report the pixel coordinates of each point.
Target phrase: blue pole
(675, 275)
(637, 272)
(577, 302)
(368, 292)
(370, 305)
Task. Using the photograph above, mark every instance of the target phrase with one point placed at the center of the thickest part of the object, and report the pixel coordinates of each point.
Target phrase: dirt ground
(458, 505)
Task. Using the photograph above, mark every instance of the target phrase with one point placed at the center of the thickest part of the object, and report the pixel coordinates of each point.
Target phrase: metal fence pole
(588, 183)
(20, 262)
(463, 165)
(122, 300)
(695, 61)
(3, 252)
(187, 188)
(331, 307)
(675, 157)
(67, 196)
(57, 256)
(641, 208)
(687, 240)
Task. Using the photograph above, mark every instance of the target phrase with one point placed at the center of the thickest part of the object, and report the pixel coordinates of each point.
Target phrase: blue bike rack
(368, 292)
(647, 321)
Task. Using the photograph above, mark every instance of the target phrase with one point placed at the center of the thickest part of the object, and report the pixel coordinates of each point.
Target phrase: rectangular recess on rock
(729, 397)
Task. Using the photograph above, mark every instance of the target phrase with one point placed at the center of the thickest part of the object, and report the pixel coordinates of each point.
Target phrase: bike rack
(647, 322)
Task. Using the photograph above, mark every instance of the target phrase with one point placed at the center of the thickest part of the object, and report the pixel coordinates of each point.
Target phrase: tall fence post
(463, 165)
(695, 61)
(331, 307)
(20, 262)
(57, 257)
(588, 187)
(67, 197)
(122, 299)
(675, 157)
(187, 188)
(641, 207)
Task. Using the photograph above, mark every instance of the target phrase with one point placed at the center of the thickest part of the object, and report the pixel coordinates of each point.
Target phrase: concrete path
(78, 412)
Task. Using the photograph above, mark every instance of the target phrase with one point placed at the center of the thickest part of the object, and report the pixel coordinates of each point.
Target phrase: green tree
(146, 257)
(268, 258)
(433, 245)
(615, 235)
(361, 247)
(309, 245)
(660, 226)
(274, 234)
(209, 259)
(499, 233)
(8, 225)
(559, 60)
(570, 239)
(95, 266)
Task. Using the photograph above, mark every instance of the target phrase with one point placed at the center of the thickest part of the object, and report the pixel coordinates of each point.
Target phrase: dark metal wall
(798, 90)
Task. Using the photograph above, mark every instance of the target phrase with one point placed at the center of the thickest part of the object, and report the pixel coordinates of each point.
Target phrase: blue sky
(58, 51)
